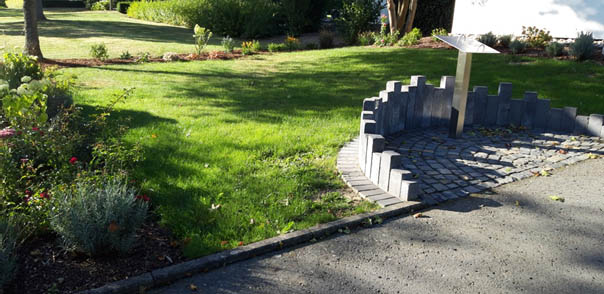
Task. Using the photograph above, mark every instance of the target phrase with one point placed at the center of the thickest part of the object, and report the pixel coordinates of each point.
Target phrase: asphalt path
(517, 239)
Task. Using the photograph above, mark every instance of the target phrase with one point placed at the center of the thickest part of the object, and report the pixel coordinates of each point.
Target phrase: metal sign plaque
(467, 45)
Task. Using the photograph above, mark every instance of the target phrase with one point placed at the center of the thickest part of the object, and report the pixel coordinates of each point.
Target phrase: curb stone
(163, 276)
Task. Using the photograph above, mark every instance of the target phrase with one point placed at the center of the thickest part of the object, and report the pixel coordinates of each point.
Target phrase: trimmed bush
(517, 46)
(99, 218)
(583, 47)
(100, 5)
(488, 39)
(554, 49)
(411, 38)
(122, 7)
(505, 41)
(326, 39)
(99, 51)
(439, 32)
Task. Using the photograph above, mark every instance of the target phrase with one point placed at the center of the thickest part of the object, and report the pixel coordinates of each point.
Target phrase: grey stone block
(410, 118)
(410, 190)
(568, 118)
(368, 126)
(376, 162)
(389, 161)
(362, 152)
(480, 104)
(369, 104)
(367, 114)
(492, 110)
(594, 127)
(438, 107)
(375, 143)
(393, 86)
(379, 113)
(429, 105)
(503, 112)
(403, 110)
(470, 109)
(530, 102)
(505, 91)
(581, 123)
(555, 119)
(391, 110)
(447, 83)
(516, 111)
(418, 81)
(542, 114)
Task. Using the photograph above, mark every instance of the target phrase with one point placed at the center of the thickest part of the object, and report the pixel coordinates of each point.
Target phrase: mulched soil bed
(90, 62)
(45, 267)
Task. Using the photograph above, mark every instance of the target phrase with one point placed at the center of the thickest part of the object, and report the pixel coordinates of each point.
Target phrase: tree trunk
(32, 41)
(40, 11)
(397, 14)
(411, 16)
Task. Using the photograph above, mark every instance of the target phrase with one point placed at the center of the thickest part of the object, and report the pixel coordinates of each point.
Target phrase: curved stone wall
(401, 108)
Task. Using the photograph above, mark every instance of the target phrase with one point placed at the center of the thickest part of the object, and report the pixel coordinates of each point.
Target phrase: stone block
(480, 104)
(516, 111)
(470, 109)
(397, 176)
(362, 153)
(581, 123)
(369, 104)
(530, 109)
(368, 126)
(410, 118)
(448, 83)
(429, 105)
(389, 161)
(542, 114)
(505, 91)
(410, 190)
(418, 81)
(492, 110)
(393, 86)
(438, 107)
(555, 119)
(379, 114)
(403, 110)
(503, 112)
(594, 127)
(568, 119)
(366, 114)
(375, 143)
(390, 108)
(376, 162)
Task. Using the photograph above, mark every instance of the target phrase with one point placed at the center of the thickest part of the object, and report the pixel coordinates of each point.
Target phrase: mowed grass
(242, 150)
(69, 33)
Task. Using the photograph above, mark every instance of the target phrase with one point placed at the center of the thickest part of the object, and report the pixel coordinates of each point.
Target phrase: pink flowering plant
(385, 38)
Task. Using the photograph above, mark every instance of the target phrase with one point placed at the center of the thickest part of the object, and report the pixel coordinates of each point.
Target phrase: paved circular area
(485, 157)
(517, 240)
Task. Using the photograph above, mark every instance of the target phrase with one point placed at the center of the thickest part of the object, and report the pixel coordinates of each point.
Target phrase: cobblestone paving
(485, 158)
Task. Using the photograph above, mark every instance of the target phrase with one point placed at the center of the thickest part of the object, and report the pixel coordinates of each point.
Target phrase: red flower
(143, 197)
(44, 195)
(73, 160)
(24, 160)
(26, 199)
(28, 193)
(35, 129)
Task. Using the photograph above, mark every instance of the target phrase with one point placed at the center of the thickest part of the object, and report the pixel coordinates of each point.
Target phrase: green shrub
(488, 39)
(505, 40)
(411, 38)
(536, 38)
(99, 51)
(554, 49)
(8, 245)
(301, 16)
(517, 46)
(143, 57)
(311, 46)
(357, 16)
(292, 43)
(99, 218)
(326, 39)
(366, 38)
(250, 47)
(387, 39)
(202, 37)
(439, 32)
(228, 44)
(272, 47)
(125, 55)
(15, 66)
(583, 47)
(100, 5)
(122, 7)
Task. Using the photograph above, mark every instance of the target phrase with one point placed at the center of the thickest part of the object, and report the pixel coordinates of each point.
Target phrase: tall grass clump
(583, 47)
(8, 244)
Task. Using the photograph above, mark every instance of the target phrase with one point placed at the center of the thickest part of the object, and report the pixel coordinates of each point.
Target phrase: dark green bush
(554, 49)
(273, 47)
(535, 37)
(122, 7)
(505, 40)
(8, 244)
(326, 39)
(517, 46)
(358, 16)
(432, 15)
(583, 47)
(488, 39)
(301, 16)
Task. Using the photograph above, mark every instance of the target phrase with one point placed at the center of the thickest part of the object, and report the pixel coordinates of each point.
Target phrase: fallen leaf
(556, 198)
(544, 173)
(562, 151)
(418, 215)
(592, 156)
(251, 221)
(517, 203)
(193, 287)
(154, 136)
(224, 243)
(240, 243)
(113, 227)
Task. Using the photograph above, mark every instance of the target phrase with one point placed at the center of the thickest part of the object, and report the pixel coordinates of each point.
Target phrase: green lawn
(259, 135)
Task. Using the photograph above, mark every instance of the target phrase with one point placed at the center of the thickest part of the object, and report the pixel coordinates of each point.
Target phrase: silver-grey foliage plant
(8, 244)
(99, 218)
(583, 46)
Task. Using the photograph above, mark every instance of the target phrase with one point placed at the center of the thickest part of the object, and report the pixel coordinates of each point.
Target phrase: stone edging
(164, 276)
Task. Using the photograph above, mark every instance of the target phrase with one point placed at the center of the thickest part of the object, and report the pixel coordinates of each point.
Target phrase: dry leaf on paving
(556, 198)
(193, 287)
(418, 215)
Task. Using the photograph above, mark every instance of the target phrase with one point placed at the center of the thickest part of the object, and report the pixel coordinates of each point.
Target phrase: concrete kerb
(175, 272)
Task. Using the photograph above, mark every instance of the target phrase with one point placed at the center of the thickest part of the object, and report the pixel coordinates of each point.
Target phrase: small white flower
(25, 79)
